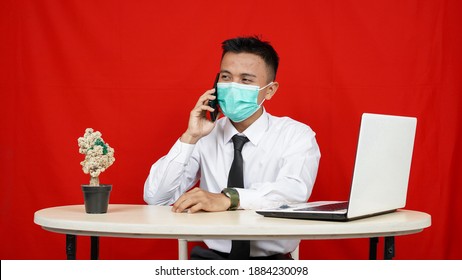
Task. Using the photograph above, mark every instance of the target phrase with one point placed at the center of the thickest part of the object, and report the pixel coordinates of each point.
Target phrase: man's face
(245, 68)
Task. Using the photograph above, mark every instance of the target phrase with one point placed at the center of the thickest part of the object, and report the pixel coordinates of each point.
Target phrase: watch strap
(233, 195)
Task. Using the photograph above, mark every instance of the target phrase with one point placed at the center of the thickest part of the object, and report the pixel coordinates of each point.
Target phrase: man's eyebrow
(241, 74)
(247, 74)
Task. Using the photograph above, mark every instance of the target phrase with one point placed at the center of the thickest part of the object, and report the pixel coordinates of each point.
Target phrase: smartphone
(214, 103)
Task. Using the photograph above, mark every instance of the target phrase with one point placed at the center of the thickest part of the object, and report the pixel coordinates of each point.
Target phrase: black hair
(254, 45)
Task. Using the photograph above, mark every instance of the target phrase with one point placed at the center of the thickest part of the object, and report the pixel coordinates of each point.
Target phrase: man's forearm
(167, 178)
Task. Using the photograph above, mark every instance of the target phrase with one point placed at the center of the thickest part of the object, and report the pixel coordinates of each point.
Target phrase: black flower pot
(96, 198)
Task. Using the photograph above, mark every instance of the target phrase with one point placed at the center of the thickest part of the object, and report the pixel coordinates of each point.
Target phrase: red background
(134, 69)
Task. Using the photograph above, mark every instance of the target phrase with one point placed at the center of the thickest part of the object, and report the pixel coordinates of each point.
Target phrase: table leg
(94, 247)
(373, 241)
(389, 251)
(71, 241)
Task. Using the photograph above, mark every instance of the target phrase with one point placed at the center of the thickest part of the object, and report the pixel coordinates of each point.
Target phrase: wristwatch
(233, 195)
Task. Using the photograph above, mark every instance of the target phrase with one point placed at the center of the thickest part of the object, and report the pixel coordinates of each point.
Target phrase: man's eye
(224, 77)
(247, 81)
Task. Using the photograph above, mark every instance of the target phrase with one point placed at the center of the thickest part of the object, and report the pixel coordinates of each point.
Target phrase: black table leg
(71, 241)
(373, 241)
(389, 251)
(94, 247)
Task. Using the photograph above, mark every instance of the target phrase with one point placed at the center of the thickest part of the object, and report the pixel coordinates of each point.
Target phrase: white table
(148, 221)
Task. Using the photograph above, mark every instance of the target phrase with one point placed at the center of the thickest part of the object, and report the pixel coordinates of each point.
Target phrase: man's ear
(271, 90)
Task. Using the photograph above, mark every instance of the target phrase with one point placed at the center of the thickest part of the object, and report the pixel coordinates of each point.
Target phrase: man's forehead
(248, 58)
(243, 64)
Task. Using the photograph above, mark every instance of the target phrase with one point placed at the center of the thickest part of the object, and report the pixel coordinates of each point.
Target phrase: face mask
(238, 101)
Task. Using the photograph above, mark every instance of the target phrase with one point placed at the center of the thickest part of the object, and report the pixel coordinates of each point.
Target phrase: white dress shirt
(280, 165)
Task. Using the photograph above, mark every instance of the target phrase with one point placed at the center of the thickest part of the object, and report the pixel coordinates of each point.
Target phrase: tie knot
(239, 142)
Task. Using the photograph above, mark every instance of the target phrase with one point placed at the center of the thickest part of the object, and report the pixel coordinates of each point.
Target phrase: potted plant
(98, 157)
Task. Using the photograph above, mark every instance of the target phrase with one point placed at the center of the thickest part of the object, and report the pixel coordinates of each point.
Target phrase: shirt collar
(254, 132)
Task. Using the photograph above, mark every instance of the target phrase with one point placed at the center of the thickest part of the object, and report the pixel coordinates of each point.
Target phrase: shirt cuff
(252, 199)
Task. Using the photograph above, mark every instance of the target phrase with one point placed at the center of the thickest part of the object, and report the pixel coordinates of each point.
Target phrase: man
(278, 157)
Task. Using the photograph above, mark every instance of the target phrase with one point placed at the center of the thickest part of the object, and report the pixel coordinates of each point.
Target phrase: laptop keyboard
(326, 207)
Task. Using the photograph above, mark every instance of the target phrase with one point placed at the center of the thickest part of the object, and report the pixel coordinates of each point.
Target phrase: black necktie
(240, 249)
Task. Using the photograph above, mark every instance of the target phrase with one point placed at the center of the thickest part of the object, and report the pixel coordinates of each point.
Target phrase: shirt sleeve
(295, 177)
(172, 175)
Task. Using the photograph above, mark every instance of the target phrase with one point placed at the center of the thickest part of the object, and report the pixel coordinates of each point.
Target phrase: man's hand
(197, 199)
(199, 126)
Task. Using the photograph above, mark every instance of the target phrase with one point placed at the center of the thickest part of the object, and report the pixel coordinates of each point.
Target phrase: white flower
(98, 154)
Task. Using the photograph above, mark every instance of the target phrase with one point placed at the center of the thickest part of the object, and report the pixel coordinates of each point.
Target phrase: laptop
(380, 176)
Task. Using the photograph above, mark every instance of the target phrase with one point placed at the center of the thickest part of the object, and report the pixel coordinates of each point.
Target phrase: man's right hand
(199, 126)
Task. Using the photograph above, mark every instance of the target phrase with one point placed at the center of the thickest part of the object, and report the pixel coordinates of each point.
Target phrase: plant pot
(96, 198)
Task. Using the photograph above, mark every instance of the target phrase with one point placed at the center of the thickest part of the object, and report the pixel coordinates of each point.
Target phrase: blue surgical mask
(238, 101)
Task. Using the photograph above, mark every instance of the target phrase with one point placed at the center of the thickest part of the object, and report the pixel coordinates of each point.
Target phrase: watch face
(226, 192)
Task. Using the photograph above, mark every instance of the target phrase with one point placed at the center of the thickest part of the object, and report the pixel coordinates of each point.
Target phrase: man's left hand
(198, 199)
